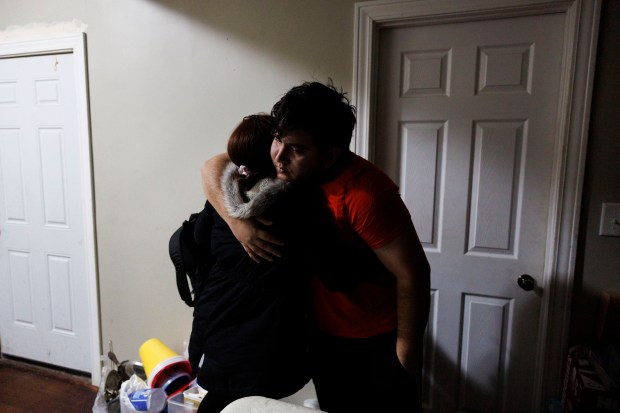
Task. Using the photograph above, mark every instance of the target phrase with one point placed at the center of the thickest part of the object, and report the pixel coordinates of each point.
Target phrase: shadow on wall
(460, 392)
(278, 25)
(597, 266)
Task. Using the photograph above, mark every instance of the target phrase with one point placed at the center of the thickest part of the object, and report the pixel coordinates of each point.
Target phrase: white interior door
(466, 118)
(44, 302)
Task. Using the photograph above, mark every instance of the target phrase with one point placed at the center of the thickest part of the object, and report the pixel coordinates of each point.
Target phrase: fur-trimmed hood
(262, 195)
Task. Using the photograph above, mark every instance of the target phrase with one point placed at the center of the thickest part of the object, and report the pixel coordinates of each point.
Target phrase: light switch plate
(610, 220)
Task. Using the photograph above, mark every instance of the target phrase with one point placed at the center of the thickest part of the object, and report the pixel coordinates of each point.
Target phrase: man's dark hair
(320, 109)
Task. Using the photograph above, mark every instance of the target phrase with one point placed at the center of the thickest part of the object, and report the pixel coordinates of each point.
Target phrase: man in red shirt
(368, 344)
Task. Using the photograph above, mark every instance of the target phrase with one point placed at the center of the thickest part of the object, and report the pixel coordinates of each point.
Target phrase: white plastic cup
(148, 400)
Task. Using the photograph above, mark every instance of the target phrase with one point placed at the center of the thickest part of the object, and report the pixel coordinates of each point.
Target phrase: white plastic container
(177, 405)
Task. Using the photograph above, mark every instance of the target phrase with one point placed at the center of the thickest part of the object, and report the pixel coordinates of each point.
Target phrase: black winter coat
(250, 321)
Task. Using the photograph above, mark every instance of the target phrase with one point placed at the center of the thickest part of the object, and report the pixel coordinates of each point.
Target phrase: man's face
(296, 156)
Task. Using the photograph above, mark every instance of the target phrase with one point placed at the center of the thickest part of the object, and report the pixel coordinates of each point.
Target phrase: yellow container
(153, 352)
(163, 367)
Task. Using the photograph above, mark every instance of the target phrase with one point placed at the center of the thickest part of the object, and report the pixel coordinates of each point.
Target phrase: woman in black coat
(250, 320)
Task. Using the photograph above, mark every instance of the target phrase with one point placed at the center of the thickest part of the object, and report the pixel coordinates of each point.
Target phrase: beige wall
(169, 80)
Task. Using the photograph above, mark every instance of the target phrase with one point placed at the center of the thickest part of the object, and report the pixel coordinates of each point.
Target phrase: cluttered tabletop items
(160, 382)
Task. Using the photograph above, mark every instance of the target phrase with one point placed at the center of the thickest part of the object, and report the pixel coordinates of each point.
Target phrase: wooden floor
(25, 388)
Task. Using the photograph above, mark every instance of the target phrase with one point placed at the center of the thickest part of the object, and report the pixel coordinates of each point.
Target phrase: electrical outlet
(610, 220)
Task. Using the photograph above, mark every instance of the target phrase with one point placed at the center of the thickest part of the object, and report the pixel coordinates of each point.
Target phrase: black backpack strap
(189, 250)
(182, 258)
(202, 259)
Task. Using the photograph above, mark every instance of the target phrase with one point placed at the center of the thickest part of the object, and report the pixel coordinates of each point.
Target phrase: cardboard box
(194, 395)
(587, 388)
(176, 404)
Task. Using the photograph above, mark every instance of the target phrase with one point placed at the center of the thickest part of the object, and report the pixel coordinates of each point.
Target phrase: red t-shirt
(364, 200)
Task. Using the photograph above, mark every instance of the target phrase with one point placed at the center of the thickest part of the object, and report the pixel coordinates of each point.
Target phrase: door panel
(44, 309)
(466, 118)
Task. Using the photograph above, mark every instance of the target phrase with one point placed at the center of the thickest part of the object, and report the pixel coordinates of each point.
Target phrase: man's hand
(404, 257)
(258, 242)
(410, 358)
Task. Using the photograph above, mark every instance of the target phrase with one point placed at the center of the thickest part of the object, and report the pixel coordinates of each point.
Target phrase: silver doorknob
(527, 282)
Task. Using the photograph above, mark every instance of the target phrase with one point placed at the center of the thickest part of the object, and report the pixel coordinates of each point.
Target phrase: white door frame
(582, 18)
(75, 43)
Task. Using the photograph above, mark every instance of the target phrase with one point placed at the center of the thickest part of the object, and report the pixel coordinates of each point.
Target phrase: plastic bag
(134, 383)
(101, 405)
